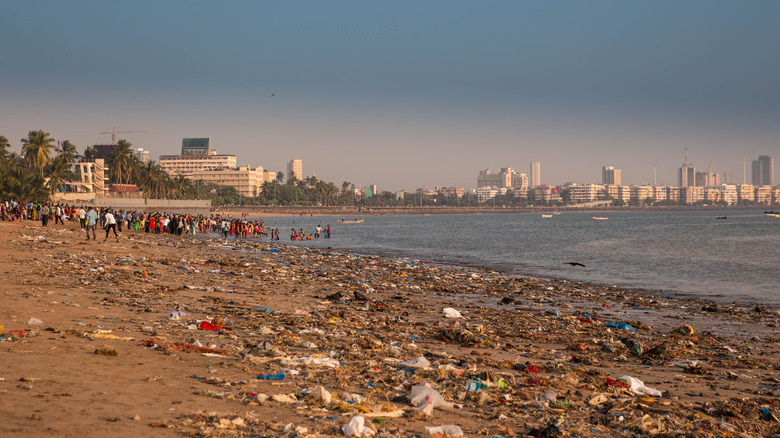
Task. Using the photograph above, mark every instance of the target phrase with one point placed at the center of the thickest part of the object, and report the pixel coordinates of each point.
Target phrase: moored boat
(355, 221)
(600, 218)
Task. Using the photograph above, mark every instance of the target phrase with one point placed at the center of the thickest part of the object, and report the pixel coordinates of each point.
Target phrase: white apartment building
(189, 164)
(507, 178)
(641, 193)
(246, 180)
(746, 192)
(585, 192)
(729, 194)
(763, 194)
(142, 155)
(691, 194)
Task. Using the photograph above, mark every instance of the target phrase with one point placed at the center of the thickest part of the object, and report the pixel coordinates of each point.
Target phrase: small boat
(599, 218)
(721, 217)
(355, 221)
(772, 213)
(546, 215)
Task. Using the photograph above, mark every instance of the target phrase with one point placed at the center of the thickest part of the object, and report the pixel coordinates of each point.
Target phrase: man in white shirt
(110, 225)
(83, 217)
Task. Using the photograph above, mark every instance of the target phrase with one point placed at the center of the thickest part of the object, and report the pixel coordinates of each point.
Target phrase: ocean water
(683, 252)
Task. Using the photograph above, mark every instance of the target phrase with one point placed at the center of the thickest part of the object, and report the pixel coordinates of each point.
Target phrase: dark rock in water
(507, 300)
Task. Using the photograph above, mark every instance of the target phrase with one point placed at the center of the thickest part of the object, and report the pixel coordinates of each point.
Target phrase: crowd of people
(110, 220)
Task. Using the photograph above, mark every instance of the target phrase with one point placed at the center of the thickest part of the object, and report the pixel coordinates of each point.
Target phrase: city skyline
(373, 95)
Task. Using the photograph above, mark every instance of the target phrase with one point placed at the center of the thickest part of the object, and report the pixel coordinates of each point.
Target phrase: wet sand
(107, 359)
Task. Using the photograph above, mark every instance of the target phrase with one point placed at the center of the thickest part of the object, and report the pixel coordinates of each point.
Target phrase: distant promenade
(254, 211)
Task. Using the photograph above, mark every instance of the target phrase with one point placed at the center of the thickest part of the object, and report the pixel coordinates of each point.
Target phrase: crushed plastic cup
(34, 321)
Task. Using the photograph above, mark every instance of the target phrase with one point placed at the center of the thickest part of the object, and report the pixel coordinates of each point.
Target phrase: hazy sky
(405, 94)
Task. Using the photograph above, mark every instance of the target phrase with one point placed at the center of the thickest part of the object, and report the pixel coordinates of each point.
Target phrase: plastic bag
(418, 362)
(449, 312)
(357, 427)
(638, 387)
(450, 430)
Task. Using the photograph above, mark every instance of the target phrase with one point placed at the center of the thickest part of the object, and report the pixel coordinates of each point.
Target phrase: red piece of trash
(532, 369)
(613, 382)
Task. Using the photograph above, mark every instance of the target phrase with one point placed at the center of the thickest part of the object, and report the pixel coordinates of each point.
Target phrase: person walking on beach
(82, 218)
(45, 215)
(110, 225)
(91, 219)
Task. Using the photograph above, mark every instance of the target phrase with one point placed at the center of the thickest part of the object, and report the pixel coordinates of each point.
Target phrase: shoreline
(281, 304)
(293, 211)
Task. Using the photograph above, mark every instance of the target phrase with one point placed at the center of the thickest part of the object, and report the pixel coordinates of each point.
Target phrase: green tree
(37, 149)
(19, 181)
(90, 154)
(68, 152)
(123, 162)
(59, 173)
(153, 180)
(5, 146)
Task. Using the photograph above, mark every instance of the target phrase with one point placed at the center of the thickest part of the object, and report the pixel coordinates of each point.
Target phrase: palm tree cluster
(36, 173)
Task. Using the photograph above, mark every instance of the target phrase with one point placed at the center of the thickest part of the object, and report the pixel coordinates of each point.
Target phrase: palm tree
(4, 146)
(37, 148)
(89, 154)
(68, 152)
(122, 162)
(280, 177)
(59, 173)
(19, 181)
(182, 187)
(153, 180)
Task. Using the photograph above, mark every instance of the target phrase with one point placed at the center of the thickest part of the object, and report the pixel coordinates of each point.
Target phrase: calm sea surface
(688, 252)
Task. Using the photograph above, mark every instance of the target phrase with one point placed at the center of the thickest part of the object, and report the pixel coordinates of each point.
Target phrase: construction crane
(114, 132)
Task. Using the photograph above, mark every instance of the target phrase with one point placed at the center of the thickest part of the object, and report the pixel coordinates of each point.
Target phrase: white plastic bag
(424, 394)
(357, 427)
(449, 312)
(418, 362)
(638, 387)
(450, 430)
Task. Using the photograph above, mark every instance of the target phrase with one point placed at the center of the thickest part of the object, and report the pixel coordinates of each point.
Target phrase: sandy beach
(159, 335)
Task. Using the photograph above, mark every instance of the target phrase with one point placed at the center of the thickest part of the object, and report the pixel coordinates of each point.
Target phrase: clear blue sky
(405, 94)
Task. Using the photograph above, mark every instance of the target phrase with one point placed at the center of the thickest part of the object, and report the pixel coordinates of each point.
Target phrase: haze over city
(405, 94)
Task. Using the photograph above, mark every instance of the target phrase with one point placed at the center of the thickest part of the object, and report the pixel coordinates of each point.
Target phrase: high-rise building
(764, 171)
(707, 179)
(610, 175)
(142, 155)
(686, 175)
(295, 169)
(536, 174)
(195, 146)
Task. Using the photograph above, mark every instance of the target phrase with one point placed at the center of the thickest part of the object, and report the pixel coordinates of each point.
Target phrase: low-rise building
(642, 193)
(729, 194)
(763, 195)
(585, 192)
(746, 192)
(246, 180)
(691, 195)
(457, 192)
